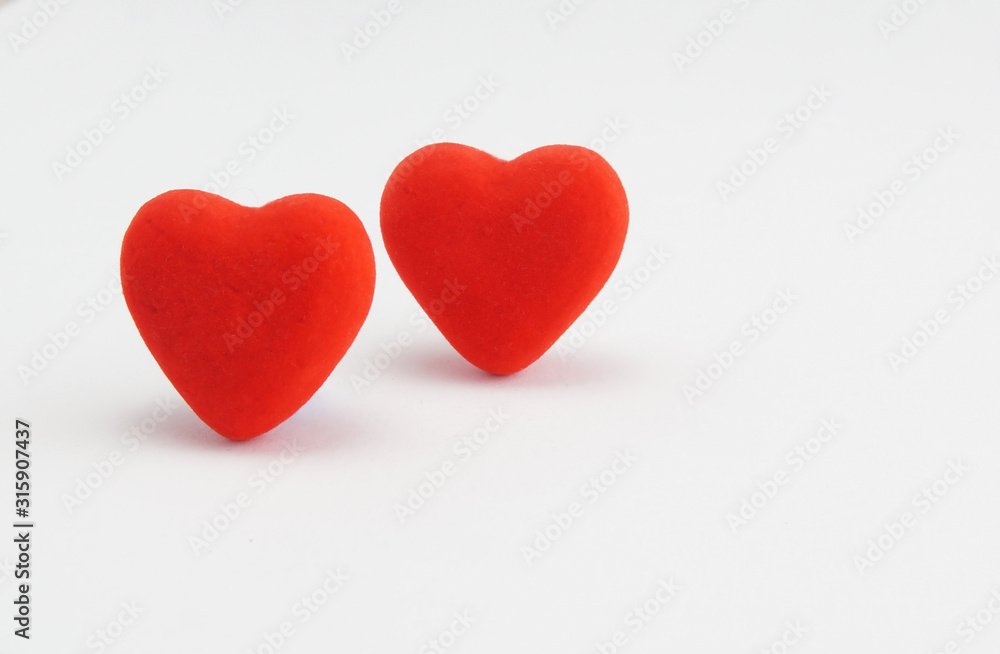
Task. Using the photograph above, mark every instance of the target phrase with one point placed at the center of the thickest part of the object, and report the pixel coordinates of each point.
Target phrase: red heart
(246, 310)
(504, 255)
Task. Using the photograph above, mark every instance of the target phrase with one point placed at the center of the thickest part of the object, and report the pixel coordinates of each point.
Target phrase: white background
(665, 517)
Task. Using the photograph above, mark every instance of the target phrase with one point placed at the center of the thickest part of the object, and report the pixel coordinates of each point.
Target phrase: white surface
(666, 516)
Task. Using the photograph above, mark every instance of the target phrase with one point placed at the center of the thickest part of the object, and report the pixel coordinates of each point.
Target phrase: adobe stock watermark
(248, 150)
(534, 206)
(230, 511)
(120, 109)
(899, 17)
(302, 611)
(595, 318)
(789, 638)
(225, 7)
(462, 110)
(562, 12)
(913, 170)
(251, 147)
(922, 502)
(391, 350)
(972, 625)
(32, 24)
(57, 341)
(714, 27)
(109, 633)
(561, 522)
(131, 440)
(795, 460)
(463, 449)
(641, 614)
(752, 329)
(450, 635)
(613, 128)
(293, 279)
(957, 299)
(786, 127)
(365, 34)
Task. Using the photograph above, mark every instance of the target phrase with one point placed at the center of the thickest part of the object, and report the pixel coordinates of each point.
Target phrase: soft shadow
(588, 367)
(317, 426)
(443, 365)
(578, 369)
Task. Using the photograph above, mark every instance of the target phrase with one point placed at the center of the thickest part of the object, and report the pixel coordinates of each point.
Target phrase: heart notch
(504, 255)
(246, 310)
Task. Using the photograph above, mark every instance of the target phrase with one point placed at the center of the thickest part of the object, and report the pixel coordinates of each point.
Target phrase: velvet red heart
(246, 310)
(504, 255)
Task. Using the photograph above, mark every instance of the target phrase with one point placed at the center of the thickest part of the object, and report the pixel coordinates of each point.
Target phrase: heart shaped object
(504, 255)
(246, 310)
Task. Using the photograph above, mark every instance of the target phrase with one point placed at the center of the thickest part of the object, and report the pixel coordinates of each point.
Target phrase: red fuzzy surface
(502, 271)
(246, 310)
